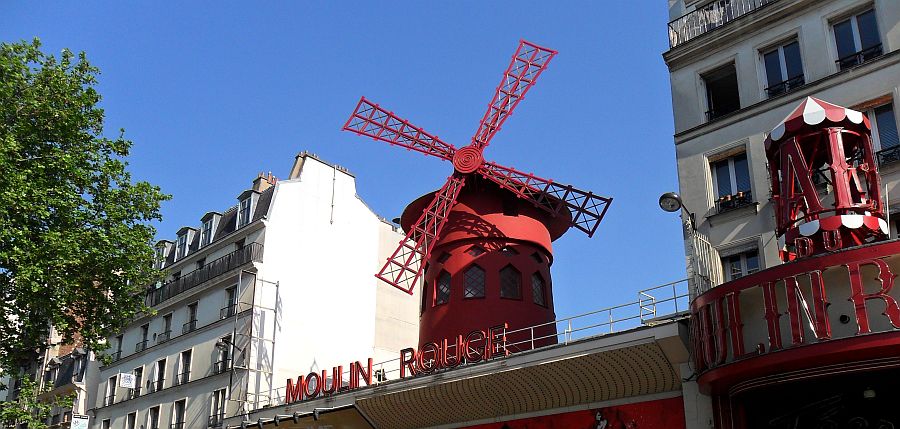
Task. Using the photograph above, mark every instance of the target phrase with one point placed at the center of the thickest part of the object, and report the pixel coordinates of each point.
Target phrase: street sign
(79, 422)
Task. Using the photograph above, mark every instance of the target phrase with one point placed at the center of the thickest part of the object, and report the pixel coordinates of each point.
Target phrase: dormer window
(206, 233)
(160, 257)
(244, 212)
(181, 246)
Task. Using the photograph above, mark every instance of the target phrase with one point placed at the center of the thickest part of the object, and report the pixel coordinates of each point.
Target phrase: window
(731, 178)
(184, 374)
(442, 288)
(110, 391)
(884, 131)
(178, 415)
(244, 212)
(473, 282)
(160, 257)
(181, 246)
(192, 319)
(166, 334)
(206, 233)
(142, 344)
(721, 91)
(856, 39)
(104, 424)
(160, 377)
(138, 379)
(224, 362)
(538, 292)
(510, 283)
(131, 421)
(230, 303)
(153, 418)
(118, 354)
(217, 408)
(740, 265)
(475, 251)
(784, 69)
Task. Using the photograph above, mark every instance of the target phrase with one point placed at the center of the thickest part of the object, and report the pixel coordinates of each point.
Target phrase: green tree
(75, 238)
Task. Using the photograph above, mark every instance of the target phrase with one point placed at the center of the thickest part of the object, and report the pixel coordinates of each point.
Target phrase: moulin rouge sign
(476, 346)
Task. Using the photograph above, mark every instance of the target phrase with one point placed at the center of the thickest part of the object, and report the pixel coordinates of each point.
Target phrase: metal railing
(164, 336)
(140, 346)
(189, 326)
(786, 86)
(252, 252)
(177, 425)
(653, 306)
(116, 356)
(134, 393)
(733, 202)
(860, 57)
(889, 155)
(227, 312)
(155, 386)
(216, 420)
(109, 400)
(182, 378)
(221, 366)
(710, 17)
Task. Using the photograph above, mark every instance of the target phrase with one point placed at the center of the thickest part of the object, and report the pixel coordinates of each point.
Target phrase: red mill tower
(482, 240)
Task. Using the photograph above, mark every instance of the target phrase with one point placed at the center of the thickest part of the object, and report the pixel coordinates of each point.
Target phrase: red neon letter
(497, 339)
(772, 315)
(859, 297)
(457, 357)
(475, 354)
(318, 385)
(408, 360)
(817, 317)
(294, 392)
(794, 169)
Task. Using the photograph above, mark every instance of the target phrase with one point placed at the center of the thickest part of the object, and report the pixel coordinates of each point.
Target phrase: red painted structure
(501, 208)
(814, 342)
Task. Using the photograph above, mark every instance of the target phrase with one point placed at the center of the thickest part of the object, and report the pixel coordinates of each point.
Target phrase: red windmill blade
(404, 268)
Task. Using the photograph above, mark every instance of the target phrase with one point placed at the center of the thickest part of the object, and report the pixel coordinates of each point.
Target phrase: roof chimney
(263, 182)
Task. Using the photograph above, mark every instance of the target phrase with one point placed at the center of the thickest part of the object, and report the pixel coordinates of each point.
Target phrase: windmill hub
(467, 159)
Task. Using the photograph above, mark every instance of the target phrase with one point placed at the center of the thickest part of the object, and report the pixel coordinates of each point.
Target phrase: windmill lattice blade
(368, 119)
(586, 208)
(405, 266)
(527, 64)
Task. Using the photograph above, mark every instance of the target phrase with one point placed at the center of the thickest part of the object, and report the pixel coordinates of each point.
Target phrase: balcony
(734, 202)
(888, 156)
(860, 57)
(189, 327)
(252, 252)
(177, 425)
(221, 366)
(163, 337)
(785, 86)
(182, 378)
(134, 393)
(116, 356)
(227, 312)
(709, 18)
(216, 420)
(109, 400)
(155, 386)
(140, 346)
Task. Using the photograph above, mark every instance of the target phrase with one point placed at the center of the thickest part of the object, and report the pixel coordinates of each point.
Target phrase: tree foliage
(75, 239)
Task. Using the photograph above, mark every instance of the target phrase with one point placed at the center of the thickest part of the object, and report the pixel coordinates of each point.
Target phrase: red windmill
(488, 230)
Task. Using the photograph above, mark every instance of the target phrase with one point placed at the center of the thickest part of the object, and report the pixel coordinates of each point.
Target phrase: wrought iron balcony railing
(785, 86)
(710, 17)
(860, 57)
(252, 252)
(182, 378)
(177, 425)
(227, 312)
(216, 420)
(140, 346)
(134, 393)
(109, 400)
(733, 202)
(189, 326)
(163, 337)
(221, 366)
(155, 386)
(889, 155)
(116, 356)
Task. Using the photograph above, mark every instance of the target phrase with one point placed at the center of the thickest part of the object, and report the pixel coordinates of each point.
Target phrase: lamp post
(671, 202)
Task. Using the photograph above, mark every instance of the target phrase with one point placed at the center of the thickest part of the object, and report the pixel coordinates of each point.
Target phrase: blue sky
(213, 93)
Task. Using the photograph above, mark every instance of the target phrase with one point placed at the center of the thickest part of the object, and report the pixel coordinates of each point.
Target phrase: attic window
(181, 246)
(206, 232)
(244, 212)
(475, 251)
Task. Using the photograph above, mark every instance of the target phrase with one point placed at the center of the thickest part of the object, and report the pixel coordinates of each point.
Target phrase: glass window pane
(734, 267)
(887, 126)
(473, 281)
(868, 29)
(843, 37)
(442, 294)
(773, 68)
(510, 283)
(723, 179)
(792, 60)
(741, 174)
(537, 289)
(752, 262)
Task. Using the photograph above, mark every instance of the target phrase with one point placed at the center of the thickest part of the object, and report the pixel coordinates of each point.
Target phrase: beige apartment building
(737, 69)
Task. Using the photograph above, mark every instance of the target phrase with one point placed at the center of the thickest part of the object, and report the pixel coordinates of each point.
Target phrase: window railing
(134, 393)
(116, 356)
(140, 346)
(177, 425)
(163, 337)
(221, 366)
(182, 378)
(710, 17)
(785, 86)
(189, 327)
(227, 312)
(889, 155)
(109, 400)
(252, 252)
(733, 202)
(216, 420)
(155, 386)
(860, 57)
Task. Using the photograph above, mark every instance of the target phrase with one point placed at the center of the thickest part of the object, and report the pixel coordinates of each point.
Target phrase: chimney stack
(263, 182)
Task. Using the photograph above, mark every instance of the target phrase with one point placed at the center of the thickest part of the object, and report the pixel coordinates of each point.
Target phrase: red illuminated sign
(312, 385)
